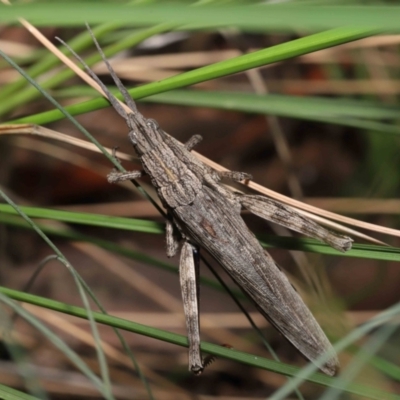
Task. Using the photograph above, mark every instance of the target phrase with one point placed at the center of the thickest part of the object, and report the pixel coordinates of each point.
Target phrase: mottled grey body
(203, 213)
(207, 215)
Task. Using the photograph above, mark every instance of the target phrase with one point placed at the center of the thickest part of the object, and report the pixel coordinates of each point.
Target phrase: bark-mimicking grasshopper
(203, 213)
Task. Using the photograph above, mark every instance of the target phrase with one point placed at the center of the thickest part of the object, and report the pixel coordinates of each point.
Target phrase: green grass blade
(54, 339)
(24, 369)
(379, 320)
(7, 393)
(355, 113)
(112, 247)
(278, 104)
(82, 129)
(131, 224)
(105, 386)
(353, 369)
(286, 17)
(16, 97)
(138, 225)
(209, 348)
(358, 250)
(43, 65)
(238, 64)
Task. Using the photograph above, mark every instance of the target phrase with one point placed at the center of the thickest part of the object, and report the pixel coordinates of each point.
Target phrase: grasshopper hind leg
(288, 217)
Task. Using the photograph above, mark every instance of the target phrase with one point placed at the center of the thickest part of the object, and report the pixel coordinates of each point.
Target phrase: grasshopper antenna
(127, 97)
(111, 98)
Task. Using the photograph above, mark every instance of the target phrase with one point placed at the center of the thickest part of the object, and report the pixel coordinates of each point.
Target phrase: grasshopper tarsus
(197, 370)
(114, 153)
(209, 359)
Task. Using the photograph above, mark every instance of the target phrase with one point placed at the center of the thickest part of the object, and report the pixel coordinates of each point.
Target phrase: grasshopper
(202, 213)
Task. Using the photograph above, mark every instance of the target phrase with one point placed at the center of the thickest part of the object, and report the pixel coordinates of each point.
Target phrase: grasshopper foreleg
(115, 176)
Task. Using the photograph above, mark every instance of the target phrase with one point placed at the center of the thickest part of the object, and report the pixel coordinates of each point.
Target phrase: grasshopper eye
(133, 137)
(152, 124)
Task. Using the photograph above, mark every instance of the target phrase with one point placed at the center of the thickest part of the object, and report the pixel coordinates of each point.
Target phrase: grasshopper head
(145, 134)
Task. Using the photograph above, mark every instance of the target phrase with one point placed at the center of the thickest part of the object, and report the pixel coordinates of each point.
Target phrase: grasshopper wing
(213, 222)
